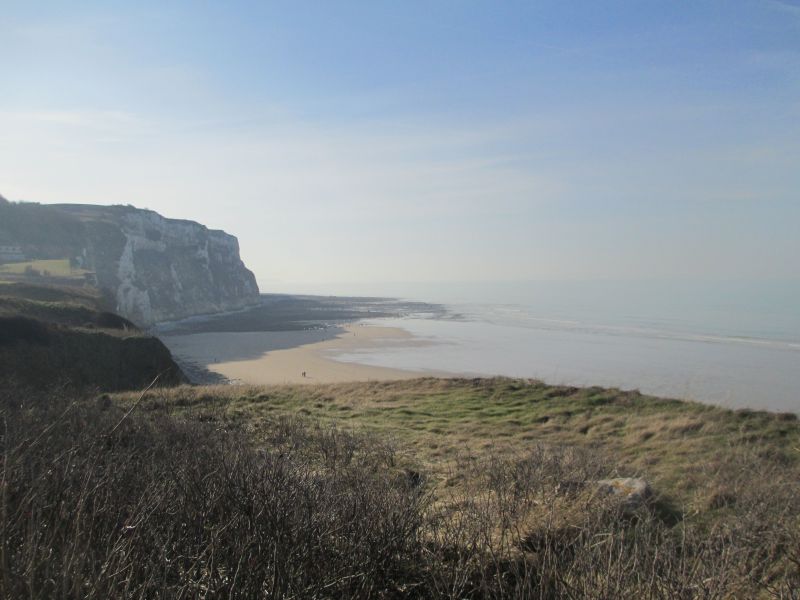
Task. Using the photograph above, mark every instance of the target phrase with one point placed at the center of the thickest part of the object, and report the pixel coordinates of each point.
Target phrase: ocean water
(731, 344)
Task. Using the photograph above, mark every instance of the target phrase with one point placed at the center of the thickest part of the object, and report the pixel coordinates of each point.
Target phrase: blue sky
(432, 141)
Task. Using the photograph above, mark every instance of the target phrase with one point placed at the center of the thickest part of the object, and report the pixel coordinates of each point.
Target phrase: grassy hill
(506, 475)
(61, 335)
(422, 489)
(66, 295)
(679, 446)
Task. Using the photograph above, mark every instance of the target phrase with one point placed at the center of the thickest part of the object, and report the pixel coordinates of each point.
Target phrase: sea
(734, 344)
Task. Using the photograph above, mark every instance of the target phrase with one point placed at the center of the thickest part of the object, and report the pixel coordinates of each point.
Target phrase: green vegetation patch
(54, 268)
(676, 445)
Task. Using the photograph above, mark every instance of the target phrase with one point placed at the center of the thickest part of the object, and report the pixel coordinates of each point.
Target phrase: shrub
(97, 505)
(98, 502)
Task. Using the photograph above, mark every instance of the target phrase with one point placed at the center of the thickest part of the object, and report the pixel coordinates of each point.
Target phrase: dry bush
(536, 528)
(97, 504)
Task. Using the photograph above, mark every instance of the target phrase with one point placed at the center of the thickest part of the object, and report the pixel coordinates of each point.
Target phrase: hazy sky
(429, 141)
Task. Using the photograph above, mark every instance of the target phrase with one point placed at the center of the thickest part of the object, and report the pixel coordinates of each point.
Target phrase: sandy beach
(275, 357)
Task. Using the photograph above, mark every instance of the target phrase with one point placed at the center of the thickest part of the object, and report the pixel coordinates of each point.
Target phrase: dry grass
(439, 421)
(95, 503)
(421, 489)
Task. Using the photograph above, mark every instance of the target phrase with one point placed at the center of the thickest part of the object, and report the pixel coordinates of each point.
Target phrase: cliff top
(88, 212)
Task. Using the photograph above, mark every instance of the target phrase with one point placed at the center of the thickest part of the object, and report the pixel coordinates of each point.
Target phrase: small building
(9, 253)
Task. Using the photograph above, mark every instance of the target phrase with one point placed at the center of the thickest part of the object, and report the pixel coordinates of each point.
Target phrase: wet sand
(275, 357)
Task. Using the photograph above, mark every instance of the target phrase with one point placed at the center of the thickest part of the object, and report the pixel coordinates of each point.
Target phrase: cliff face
(153, 268)
(170, 269)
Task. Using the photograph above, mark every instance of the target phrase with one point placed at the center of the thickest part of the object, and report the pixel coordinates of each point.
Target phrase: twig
(135, 404)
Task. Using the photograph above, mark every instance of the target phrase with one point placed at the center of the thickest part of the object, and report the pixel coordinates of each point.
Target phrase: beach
(339, 339)
(278, 357)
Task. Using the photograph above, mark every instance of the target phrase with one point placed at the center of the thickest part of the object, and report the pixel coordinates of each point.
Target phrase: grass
(77, 314)
(416, 489)
(677, 445)
(56, 267)
(40, 291)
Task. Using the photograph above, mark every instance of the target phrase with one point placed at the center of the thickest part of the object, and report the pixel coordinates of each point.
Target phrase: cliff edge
(150, 268)
(62, 336)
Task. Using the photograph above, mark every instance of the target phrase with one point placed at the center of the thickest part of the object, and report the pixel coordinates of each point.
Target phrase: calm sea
(732, 344)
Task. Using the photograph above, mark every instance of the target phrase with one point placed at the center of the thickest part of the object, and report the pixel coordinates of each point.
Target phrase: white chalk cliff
(160, 269)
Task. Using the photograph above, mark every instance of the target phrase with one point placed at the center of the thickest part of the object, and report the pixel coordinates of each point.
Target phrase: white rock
(631, 491)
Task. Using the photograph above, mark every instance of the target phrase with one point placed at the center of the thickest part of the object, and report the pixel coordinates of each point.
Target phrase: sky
(357, 142)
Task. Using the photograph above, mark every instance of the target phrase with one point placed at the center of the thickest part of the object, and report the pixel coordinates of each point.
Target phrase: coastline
(277, 341)
(280, 357)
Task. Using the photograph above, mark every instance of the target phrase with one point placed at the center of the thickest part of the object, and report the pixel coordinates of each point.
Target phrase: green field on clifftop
(54, 268)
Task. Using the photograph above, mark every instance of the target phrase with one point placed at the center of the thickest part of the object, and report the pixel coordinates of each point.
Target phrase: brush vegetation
(423, 489)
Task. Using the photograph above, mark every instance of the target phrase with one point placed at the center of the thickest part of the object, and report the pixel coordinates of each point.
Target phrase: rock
(632, 492)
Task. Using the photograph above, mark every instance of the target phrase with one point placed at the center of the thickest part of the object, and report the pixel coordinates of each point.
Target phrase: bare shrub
(169, 508)
(533, 528)
(97, 504)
